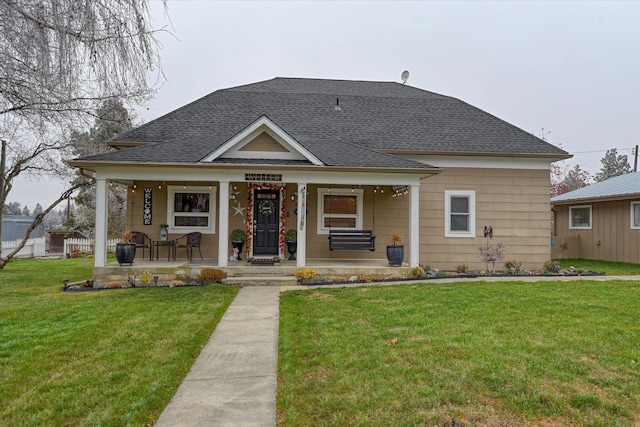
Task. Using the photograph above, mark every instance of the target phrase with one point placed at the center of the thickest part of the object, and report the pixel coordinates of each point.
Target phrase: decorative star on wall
(238, 209)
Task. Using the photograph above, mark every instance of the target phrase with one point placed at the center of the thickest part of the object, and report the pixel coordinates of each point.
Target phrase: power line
(630, 149)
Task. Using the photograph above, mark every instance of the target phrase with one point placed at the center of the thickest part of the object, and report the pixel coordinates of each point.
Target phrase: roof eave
(427, 171)
(600, 199)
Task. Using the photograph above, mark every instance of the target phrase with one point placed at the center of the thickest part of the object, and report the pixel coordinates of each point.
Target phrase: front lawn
(463, 354)
(108, 358)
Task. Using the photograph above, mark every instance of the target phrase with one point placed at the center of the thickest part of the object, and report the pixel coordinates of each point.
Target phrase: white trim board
(232, 148)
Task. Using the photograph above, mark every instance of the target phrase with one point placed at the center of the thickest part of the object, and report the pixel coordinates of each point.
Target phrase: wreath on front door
(266, 207)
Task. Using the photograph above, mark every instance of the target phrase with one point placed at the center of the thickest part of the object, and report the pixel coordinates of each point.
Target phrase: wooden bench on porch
(352, 240)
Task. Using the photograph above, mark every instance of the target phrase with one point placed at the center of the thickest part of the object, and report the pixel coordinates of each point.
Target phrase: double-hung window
(339, 209)
(191, 208)
(635, 215)
(460, 213)
(580, 217)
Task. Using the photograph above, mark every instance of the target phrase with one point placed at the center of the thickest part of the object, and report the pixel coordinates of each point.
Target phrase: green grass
(610, 268)
(509, 353)
(107, 358)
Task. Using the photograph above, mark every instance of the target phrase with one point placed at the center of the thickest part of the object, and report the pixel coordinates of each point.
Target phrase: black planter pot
(395, 255)
(239, 246)
(292, 248)
(125, 253)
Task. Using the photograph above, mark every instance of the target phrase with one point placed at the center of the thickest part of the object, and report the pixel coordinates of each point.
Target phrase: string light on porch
(378, 188)
(400, 191)
(133, 187)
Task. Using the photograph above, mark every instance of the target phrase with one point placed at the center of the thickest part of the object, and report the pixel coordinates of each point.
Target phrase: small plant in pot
(291, 237)
(238, 238)
(126, 249)
(395, 251)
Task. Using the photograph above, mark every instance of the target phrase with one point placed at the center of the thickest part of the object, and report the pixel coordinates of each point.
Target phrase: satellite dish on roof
(405, 76)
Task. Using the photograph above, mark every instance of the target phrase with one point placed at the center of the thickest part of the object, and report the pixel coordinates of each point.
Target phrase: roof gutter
(92, 165)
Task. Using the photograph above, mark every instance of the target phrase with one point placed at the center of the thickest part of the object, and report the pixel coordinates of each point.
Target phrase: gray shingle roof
(375, 116)
(619, 186)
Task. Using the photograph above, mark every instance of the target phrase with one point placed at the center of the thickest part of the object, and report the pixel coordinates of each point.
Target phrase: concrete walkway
(233, 381)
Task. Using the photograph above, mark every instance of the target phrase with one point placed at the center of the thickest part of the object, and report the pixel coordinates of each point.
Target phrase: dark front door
(266, 222)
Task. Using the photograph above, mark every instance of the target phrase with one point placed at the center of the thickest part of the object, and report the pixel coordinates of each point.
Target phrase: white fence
(85, 245)
(33, 248)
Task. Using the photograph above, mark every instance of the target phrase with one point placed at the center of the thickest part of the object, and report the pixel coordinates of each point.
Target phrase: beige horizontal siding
(610, 238)
(514, 202)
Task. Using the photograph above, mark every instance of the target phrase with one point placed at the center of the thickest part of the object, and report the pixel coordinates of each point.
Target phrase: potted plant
(291, 237)
(126, 249)
(164, 232)
(395, 251)
(238, 238)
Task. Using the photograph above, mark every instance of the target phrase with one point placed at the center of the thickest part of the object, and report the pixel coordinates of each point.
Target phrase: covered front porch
(281, 272)
(311, 203)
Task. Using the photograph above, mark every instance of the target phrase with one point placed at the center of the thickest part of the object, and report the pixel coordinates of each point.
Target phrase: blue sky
(572, 68)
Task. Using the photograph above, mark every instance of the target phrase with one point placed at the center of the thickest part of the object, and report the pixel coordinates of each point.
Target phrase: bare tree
(59, 60)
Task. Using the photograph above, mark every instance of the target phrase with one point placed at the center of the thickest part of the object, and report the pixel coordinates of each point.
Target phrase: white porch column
(100, 244)
(223, 225)
(301, 254)
(414, 226)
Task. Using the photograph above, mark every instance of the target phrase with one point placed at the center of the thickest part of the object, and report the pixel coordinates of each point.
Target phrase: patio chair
(189, 241)
(142, 241)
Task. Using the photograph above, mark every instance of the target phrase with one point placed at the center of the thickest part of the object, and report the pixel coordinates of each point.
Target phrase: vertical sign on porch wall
(146, 207)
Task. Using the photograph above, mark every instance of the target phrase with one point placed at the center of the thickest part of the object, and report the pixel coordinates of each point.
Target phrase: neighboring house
(601, 221)
(14, 227)
(316, 155)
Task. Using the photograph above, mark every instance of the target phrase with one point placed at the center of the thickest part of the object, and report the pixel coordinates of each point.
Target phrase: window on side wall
(580, 217)
(460, 213)
(635, 215)
(339, 209)
(191, 208)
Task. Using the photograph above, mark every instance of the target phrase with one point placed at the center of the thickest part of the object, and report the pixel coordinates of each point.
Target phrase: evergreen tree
(13, 208)
(37, 210)
(112, 119)
(612, 165)
(576, 178)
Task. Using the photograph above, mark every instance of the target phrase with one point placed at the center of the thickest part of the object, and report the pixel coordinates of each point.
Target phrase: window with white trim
(339, 209)
(460, 213)
(635, 215)
(191, 208)
(580, 217)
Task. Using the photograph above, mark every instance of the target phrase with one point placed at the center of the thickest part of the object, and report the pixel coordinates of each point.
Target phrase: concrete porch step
(261, 280)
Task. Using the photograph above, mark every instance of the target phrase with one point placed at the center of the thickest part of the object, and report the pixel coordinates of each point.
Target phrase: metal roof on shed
(617, 187)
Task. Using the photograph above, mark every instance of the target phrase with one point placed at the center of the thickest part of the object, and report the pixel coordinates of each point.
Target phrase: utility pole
(635, 159)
